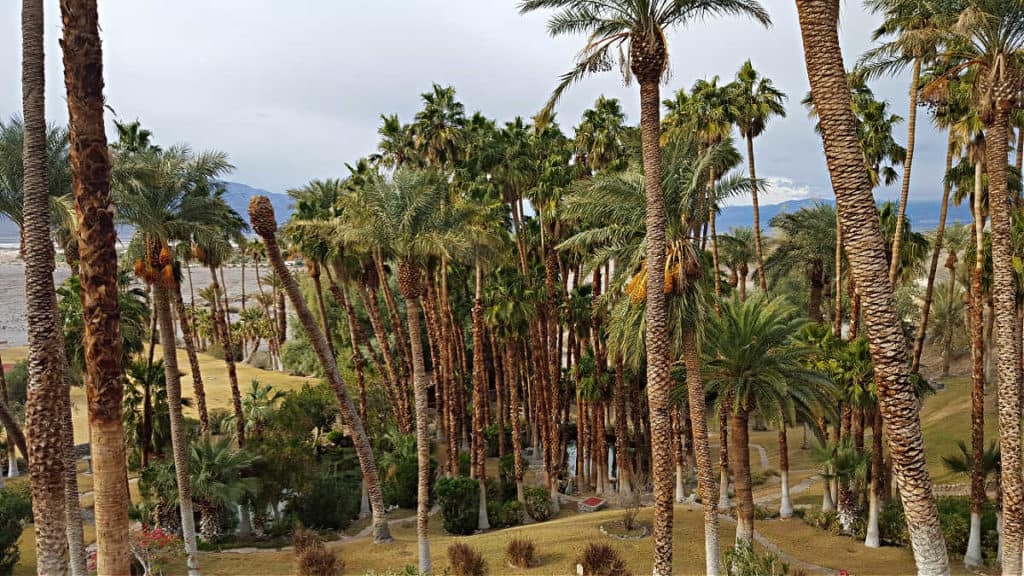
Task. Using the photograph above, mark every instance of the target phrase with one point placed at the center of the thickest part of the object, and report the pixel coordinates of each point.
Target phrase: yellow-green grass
(946, 419)
(215, 382)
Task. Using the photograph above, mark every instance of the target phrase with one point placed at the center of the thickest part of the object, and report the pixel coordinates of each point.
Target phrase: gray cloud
(292, 89)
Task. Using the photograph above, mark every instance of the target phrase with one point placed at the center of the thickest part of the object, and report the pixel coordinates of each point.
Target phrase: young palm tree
(752, 362)
(806, 241)
(755, 100)
(989, 36)
(738, 249)
(640, 27)
(866, 253)
(218, 479)
(261, 214)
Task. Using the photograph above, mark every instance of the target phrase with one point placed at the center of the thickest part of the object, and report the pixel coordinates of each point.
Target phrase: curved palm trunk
(705, 466)
(221, 322)
(837, 327)
(758, 250)
(1004, 288)
(915, 79)
(322, 306)
(262, 216)
(193, 359)
(281, 315)
(926, 308)
(377, 323)
(866, 252)
(658, 381)
(179, 440)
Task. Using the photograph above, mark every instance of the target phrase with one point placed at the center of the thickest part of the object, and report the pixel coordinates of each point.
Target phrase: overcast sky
(293, 89)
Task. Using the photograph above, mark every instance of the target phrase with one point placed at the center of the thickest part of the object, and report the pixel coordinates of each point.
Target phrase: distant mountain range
(923, 215)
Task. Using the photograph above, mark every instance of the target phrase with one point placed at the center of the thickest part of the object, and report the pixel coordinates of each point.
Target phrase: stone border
(644, 532)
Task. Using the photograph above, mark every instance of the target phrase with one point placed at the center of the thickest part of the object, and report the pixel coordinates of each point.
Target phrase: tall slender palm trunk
(785, 505)
(837, 326)
(866, 252)
(758, 248)
(871, 538)
(977, 305)
(46, 463)
(179, 436)
(1004, 288)
(622, 458)
(221, 324)
(740, 453)
(479, 397)
(72, 502)
(658, 380)
(915, 80)
(261, 213)
(705, 466)
(926, 307)
(193, 359)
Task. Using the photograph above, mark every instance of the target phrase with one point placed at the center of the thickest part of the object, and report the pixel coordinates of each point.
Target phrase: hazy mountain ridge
(923, 215)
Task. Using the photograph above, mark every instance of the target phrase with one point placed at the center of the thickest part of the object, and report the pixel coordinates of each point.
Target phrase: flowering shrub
(155, 548)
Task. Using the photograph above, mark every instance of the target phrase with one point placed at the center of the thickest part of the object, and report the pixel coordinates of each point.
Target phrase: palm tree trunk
(866, 253)
(915, 79)
(265, 225)
(677, 447)
(758, 249)
(871, 539)
(622, 458)
(422, 435)
(1008, 349)
(517, 435)
(479, 395)
(786, 506)
(179, 440)
(714, 238)
(705, 467)
(947, 337)
(193, 359)
(723, 455)
(46, 347)
(377, 323)
(281, 315)
(322, 306)
(221, 323)
(72, 502)
(837, 328)
(740, 453)
(926, 308)
(658, 381)
(977, 366)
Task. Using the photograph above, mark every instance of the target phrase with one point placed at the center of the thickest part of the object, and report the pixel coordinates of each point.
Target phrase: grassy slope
(945, 417)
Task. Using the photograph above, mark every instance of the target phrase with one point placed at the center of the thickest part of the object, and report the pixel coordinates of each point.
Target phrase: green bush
(299, 358)
(504, 515)
(827, 521)
(464, 463)
(401, 488)
(330, 504)
(491, 434)
(743, 559)
(17, 382)
(459, 499)
(955, 521)
(507, 477)
(15, 510)
(892, 525)
(538, 503)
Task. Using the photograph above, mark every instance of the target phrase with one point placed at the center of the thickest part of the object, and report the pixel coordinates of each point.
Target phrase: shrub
(298, 357)
(459, 499)
(464, 463)
(602, 560)
(401, 488)
(504, 515)
(17, 382)
(507, 477)
(15, 510)
(758, 478)
(311, 556)
(892, 524)
(743, 559)
(538, 503)
(827, 521)
(330, 504)
(491, 434)
(465, 561)
(521, 553)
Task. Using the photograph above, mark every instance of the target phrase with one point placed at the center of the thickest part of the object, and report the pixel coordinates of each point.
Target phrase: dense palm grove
(505, 318)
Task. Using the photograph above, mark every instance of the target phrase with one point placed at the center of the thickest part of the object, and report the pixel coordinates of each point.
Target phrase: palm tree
(218, 479)
(640, 27)
(259, 404)
(751, 362)
(989, 36)
(261, 214)
(866, 253)
(755, 100)
(738, 249)
(965, 462)
(47, 365)
(599, 136)
(806, 242)
(404, 218)
(915, 33)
